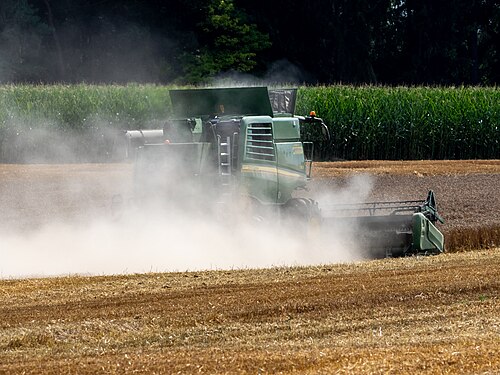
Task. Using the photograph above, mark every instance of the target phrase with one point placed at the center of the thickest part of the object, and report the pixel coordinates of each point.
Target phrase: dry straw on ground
(426, 315)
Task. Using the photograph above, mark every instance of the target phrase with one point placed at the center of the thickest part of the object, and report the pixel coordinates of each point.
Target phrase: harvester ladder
(225, 161)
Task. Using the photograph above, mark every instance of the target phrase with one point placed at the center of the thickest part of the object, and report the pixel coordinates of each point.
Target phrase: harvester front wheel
(303, 212)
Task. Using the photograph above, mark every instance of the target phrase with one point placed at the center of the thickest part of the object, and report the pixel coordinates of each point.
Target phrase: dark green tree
(189, 41)
(445, 42)
(21, 42)
(227, 42)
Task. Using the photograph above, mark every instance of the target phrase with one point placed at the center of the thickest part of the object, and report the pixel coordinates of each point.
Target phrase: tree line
(392, 42)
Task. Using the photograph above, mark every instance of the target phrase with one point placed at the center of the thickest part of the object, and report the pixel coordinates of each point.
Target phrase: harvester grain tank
(244, 144)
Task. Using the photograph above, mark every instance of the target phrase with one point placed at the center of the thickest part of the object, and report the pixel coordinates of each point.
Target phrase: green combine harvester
(242, 147)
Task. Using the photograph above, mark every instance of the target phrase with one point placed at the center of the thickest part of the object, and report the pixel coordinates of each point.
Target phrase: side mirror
(312, 119)
(325, 131)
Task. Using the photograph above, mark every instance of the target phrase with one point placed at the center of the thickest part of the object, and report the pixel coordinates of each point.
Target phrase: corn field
(406, 123)
(368, 122)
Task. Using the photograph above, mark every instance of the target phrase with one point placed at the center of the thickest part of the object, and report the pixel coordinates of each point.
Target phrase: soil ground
(436, 314)
(467, 192)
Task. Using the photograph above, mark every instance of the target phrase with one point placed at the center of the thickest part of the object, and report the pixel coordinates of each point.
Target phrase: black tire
(303, 212)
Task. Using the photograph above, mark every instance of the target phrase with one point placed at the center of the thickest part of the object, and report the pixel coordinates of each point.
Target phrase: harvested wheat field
(436, 314)
(404, 316)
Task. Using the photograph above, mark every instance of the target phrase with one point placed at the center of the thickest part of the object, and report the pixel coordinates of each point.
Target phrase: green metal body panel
(272, 178)
(259, 181)
(286, 129)
(426, 237)
(291, 169)
(258, 175)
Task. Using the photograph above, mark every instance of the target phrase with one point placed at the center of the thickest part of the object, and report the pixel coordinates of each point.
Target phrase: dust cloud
(162, 237)
(59, 220)
(278, 73)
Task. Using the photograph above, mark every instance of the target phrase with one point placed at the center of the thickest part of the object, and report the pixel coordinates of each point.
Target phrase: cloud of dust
(340, 232)
(279, 72)
(356, 189)
(63, 224)
(37, 139)
(149, 238)
(145, 243)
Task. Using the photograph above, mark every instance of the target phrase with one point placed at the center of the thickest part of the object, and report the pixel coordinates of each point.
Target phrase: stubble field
(428, 315)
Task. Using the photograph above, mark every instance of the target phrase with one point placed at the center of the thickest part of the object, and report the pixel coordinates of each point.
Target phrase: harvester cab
(245, 144)
(229, 142)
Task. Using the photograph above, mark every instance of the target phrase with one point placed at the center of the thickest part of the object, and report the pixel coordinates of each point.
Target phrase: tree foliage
(450, 42)
(22, 33)
(227, 43)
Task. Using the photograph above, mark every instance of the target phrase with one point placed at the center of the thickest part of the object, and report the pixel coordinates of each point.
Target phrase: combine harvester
(242, 147)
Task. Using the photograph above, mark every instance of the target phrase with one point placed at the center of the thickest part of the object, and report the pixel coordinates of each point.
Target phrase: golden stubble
(420, 314)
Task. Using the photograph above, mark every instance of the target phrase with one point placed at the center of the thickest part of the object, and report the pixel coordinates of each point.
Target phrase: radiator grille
(260, 142)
